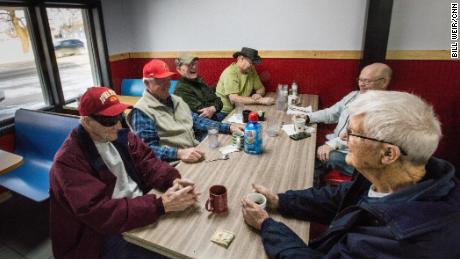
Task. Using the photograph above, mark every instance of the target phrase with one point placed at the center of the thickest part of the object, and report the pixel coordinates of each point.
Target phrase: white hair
(402, 119)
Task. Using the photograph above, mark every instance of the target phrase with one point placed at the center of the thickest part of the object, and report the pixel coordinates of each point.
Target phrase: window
(19, 79)
(50, 52)
(69, 32)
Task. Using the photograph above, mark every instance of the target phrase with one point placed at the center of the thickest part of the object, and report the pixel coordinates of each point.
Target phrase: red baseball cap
(156, 69)
(99, 100)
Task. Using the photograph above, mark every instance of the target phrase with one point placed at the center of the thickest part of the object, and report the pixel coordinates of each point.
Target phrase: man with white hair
(403, 204)
(331, 155)
(165, 122)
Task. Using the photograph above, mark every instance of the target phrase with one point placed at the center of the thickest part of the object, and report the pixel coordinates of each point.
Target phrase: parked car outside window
(69, 47)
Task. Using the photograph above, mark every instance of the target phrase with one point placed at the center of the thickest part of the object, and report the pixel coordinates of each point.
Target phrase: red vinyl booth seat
(335, 177)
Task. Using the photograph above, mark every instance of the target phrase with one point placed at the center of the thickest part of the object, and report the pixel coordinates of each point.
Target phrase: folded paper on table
(235, 119)
(298, 110)
(214, 156)
(223, 238)
(289, 129)
(228, 149)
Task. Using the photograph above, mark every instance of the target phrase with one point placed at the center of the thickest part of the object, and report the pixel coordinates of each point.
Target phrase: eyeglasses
(367, 81)
(107, 121)
(373, 139)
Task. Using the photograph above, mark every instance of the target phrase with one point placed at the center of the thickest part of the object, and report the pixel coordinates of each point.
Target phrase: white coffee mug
(258, 199)
(299, 125)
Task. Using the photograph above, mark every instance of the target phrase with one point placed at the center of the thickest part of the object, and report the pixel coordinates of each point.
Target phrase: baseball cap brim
(164, 75)
(185, 60)
(114, 110)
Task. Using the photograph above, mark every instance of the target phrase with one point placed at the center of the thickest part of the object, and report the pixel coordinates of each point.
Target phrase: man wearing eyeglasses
(240, 83)
(165, 122)
(200, 97)
(404, 203)
(331, 155)
(99, 184)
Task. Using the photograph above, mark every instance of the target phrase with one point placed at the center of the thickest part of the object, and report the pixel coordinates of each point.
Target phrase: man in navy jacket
(403, 204)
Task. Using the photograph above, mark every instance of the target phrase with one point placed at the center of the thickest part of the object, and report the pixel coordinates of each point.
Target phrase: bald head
(375, 76)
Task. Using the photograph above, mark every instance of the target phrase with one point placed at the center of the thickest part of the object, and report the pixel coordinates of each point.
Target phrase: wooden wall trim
(419, 55)
(118, 57)
(296, 54)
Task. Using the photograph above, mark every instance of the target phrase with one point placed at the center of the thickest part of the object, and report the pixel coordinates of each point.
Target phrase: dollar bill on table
(223, 237)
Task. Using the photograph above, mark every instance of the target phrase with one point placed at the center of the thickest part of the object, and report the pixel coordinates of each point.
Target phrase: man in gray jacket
(331, 155)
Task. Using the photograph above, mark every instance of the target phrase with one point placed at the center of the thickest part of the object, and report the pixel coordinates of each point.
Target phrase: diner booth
(319, 45)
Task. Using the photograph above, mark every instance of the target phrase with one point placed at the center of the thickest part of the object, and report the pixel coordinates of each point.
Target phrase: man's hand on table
(234, 128)
(323, 152)
(300, 116)
(180, 196)
(253, 214)
(190, 155)
(256, 96)
(207, 112)
(272, 198)
(183, 182)
(265, 101)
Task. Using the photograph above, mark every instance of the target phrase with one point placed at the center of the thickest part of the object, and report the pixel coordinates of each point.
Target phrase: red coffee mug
(217, 201)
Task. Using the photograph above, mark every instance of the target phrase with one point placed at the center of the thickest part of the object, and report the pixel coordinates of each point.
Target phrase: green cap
(185, 58)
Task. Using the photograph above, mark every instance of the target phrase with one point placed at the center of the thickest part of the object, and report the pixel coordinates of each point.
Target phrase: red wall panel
(331, 79)
(438, 82)
(120, 70)
(7, 142)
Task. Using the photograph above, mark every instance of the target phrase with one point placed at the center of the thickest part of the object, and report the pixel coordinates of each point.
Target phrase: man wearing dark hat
(165, 122)
(99, 184)
(239, 83)
(201, 98)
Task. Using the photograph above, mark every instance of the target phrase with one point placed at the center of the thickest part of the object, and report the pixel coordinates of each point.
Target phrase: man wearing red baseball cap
(165, 122)
(99, 184)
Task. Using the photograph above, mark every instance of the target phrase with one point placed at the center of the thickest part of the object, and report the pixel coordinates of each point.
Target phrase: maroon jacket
(82, 210)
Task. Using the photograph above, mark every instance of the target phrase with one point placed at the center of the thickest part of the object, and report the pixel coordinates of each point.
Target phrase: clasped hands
(180, 196)
(263, 100)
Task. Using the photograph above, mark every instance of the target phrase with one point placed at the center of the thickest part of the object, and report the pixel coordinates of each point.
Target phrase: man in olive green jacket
(200, 98)
(239, 82)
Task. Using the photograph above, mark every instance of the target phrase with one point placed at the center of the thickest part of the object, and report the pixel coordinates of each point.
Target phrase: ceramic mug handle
(209, 206)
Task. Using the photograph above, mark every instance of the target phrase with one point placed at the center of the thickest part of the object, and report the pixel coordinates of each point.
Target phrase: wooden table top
(284, 165)
(9, 161)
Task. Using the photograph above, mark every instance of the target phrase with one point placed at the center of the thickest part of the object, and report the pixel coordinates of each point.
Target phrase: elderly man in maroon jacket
(99, 184)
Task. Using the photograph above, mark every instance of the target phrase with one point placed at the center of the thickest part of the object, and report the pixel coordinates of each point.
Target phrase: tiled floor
(24, 229)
